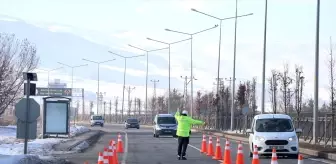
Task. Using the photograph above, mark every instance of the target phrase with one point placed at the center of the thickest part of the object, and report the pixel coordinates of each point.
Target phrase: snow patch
(10, 145)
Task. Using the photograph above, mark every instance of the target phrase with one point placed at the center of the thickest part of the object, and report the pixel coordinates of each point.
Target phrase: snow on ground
(75, 130)
(10, 145)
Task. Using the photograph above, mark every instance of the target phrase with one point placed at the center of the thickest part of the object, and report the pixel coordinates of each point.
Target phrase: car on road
(277, 131)
(132, 123)
(164, 125)
(97, 120)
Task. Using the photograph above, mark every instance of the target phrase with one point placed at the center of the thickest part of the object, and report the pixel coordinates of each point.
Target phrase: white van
(270, 131)
(164, 125)
(97, 120)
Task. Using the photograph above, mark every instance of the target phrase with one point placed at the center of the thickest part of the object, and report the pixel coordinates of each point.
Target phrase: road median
(305, 148)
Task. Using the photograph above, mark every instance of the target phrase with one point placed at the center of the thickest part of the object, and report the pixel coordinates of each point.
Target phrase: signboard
(53, 92)
(56, 117)
(20, 113)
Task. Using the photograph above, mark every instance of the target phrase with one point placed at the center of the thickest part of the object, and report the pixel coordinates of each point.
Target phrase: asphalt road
(143, 148)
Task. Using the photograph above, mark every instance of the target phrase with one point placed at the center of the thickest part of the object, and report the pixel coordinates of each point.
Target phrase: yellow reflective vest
(184, 124)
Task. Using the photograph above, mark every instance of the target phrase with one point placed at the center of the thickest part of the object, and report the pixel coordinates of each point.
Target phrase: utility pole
(110, 111)
(232, 97)
(104, 109)
(187, 80)
(129, 90)
(154, 92)
(83, 105)
(220, 84)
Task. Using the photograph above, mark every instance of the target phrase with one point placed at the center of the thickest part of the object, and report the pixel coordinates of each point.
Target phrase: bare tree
(285, 80)
(299, 82)
(273, 84)
(91, 107)
(331, 67)
(253, 95)
(139, 106)
(15, 57)
(248, 93)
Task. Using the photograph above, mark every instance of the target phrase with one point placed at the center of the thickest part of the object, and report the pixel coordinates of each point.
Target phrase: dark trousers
(182, 145)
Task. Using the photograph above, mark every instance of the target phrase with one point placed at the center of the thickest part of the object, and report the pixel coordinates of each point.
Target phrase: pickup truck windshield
(274, 125)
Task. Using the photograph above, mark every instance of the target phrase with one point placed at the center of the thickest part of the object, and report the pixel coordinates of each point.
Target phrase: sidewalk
(69, 145)
(305, 148)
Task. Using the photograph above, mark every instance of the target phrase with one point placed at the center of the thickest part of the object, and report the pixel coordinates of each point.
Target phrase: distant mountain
(53, 47)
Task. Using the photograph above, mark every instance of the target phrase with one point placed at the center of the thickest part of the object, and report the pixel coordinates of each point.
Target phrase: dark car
(132, 123)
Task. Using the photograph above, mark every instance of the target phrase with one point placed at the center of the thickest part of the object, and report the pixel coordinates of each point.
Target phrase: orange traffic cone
(274, 157)
(100, 158)
(210, 147)
(227, 153)
(300, 159)
(240, 154)
(115, 155)
(218, 152)
(255, 159)
(110, 151)
(105, 157)
(204, 145)
(120, 148)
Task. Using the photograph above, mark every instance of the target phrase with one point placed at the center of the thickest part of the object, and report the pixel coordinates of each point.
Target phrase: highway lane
(142, 147)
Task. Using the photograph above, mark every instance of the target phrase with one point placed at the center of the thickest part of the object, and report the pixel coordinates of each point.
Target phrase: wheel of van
(293, 156)
(251, 154)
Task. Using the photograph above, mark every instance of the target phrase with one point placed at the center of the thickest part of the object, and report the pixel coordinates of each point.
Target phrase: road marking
(126, 149)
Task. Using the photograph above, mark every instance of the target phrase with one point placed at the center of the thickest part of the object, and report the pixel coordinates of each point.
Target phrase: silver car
(97, 120)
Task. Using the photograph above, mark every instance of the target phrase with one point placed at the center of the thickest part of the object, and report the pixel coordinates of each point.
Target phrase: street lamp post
(316, 79)
(72, 70)
(147, 51)
(125, 58)
(219, 49)
(168, 64)
(264, 63)
(98, 64)
(191, 65)
(48, 71)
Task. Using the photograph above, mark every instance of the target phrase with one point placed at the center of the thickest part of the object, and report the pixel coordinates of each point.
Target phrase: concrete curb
(315, 153)
(89, 139)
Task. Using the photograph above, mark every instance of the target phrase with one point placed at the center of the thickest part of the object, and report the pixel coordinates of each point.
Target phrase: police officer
(183, 132)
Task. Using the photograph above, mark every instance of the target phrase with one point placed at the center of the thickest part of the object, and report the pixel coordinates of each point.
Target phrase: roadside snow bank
(10, 145)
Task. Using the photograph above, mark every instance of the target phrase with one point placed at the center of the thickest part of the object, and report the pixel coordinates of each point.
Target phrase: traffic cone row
(110, 156)
(226, 158)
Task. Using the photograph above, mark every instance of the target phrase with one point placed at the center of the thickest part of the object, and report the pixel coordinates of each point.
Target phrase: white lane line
(123, 161)
(192, 146)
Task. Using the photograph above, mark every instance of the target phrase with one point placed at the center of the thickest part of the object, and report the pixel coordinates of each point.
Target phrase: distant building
(57, 84)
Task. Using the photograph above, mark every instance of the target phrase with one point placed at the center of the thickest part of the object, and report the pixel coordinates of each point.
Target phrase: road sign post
(27, 111)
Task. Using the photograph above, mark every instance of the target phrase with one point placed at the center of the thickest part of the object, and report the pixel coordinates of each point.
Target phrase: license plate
(167, 131)
(277, 147)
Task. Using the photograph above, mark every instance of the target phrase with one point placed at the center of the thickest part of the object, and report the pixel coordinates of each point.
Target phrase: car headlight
(292, 138)
(259, 138)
